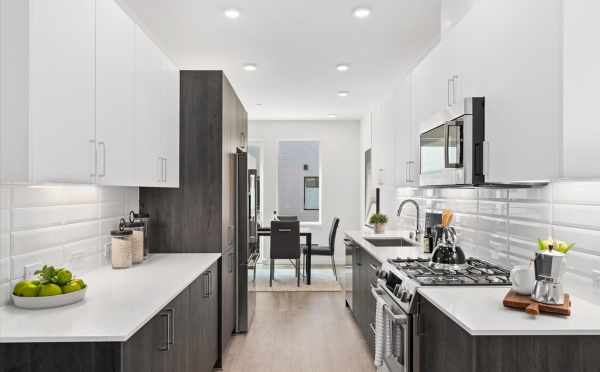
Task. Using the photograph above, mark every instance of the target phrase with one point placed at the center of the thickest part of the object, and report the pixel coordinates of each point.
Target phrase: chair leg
(303, 265)
(272, 273)
(298, 272)
(333, 267)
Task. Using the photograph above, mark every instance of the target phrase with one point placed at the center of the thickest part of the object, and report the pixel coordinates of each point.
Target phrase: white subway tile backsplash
(503, 225)
(58, 225)
(51, 256)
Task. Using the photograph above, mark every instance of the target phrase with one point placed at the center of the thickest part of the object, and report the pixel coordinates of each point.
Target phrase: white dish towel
(380, 332)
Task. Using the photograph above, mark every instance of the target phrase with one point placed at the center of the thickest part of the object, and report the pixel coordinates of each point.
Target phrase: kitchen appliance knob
(381, 274)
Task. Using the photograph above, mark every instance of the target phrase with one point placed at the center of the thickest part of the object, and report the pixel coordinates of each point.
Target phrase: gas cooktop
(478, 272)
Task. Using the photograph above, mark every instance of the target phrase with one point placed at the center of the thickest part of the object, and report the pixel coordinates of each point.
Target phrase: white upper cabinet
(86, 97)
(115, 109)
(149, 83)
(581, 85)
(61, 94)
(498, 52)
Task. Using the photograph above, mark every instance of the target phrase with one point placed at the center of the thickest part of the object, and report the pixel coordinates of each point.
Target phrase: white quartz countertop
(480, 312)
(117, 304)
(383, 253)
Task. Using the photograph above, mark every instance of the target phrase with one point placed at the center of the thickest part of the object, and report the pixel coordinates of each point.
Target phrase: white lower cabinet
(581, 84)
(86, 97)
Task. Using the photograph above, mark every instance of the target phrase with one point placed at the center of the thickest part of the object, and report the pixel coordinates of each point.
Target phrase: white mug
(523, 279)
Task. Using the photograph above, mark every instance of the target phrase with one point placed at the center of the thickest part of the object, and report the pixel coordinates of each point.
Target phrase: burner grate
(478, 272)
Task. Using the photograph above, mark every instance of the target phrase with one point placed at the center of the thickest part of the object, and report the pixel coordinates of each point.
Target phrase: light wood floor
(299, 332)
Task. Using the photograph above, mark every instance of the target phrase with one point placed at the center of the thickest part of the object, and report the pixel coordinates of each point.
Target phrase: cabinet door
(170, 123)
(405, 164)
(149, 164)
(356, 293)
(179, 354)
(204, 321)
(522, 89)
(228, 297)
(115, 100)
(443, 345)
(144, 351)
(581, 82)
(61, 92)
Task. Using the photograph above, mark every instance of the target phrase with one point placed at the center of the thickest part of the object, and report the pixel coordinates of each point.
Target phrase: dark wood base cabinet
(443, 346)
(363, 303)
(182, 337)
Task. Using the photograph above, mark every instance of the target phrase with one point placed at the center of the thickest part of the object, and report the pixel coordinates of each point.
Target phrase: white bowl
(48, 301)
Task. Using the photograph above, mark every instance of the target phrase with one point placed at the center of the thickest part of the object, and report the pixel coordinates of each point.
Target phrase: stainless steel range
(398, 282)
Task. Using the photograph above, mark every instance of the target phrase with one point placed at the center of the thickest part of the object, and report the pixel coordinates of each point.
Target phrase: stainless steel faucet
(411, 201)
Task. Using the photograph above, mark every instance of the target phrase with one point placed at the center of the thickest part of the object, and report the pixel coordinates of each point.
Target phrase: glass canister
(121, 255)
(137, 240)
(145, 219)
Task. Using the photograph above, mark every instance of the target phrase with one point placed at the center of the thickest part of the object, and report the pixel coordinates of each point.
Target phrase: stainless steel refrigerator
(246, 256)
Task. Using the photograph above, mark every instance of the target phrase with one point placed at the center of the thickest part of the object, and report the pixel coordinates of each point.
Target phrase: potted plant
(378, 220)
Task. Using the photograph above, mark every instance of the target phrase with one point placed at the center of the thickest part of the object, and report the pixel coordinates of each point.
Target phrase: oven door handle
(400, 318)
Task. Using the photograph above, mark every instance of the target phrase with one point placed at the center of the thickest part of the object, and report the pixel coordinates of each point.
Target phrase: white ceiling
(296, 45)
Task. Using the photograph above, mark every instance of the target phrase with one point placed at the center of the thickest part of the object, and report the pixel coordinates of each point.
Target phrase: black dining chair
(288, 218)
(317, 250)
(285, 244)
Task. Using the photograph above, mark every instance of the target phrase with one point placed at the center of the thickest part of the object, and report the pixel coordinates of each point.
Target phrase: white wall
(339, 141)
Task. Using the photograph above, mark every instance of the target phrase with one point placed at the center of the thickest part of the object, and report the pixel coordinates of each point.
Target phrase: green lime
(81, 283)
(64, 276)
(19, 287)
(49, 289)
(72, 286)
(30, 290)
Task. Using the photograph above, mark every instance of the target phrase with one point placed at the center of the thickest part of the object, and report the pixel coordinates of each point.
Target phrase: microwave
(451, 153)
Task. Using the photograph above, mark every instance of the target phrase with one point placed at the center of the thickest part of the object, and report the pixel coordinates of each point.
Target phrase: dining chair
(317, 250)
(285, 244)
(288, 218)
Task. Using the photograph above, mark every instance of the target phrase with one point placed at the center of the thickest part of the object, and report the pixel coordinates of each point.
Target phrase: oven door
(442, 155)
(398, 357)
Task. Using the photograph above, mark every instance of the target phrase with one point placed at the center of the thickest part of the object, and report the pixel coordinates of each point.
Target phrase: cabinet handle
(165, 170)
(102, 145)
(373, 267)
(166, 316)
(206, 284)
(159, 169)
(230, 262)
(210, 283)
(486, 158)
(94, 158)
(171, 334)
(454, 79)
(449, 93)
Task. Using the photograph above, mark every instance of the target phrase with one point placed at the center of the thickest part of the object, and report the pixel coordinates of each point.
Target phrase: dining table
(266, 231)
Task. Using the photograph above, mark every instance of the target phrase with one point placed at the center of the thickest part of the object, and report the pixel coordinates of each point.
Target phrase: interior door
(61, 95)
(115, 98)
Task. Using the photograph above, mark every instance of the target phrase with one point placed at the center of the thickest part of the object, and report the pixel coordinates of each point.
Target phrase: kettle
(548, 270)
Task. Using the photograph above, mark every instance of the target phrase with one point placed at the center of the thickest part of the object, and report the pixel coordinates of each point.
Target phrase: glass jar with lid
(121, 253)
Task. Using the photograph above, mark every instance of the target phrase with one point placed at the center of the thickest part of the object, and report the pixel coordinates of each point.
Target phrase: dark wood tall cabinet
(199, 216)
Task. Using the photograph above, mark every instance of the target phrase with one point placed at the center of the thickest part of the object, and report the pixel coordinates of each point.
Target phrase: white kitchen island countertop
(479, 311)
(117, 304)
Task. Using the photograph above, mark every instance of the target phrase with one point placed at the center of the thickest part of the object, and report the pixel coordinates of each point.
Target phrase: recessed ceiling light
(361, 12)
(343, 93)
(232, 13)
(332, 116)
(250, 67)
(342, 67)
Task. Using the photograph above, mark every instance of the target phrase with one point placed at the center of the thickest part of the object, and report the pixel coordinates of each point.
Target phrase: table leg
(308, 257)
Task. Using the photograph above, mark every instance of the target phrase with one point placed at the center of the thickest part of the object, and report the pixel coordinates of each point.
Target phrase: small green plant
(378, 219)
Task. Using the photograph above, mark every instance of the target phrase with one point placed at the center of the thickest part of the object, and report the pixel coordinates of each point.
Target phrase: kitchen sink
(391, 242)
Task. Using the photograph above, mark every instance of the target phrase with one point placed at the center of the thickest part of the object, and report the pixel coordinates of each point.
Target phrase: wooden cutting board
(517, 301)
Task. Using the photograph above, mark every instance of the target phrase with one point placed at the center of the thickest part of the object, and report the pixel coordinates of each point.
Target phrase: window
(298, 180)
(311, 193)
